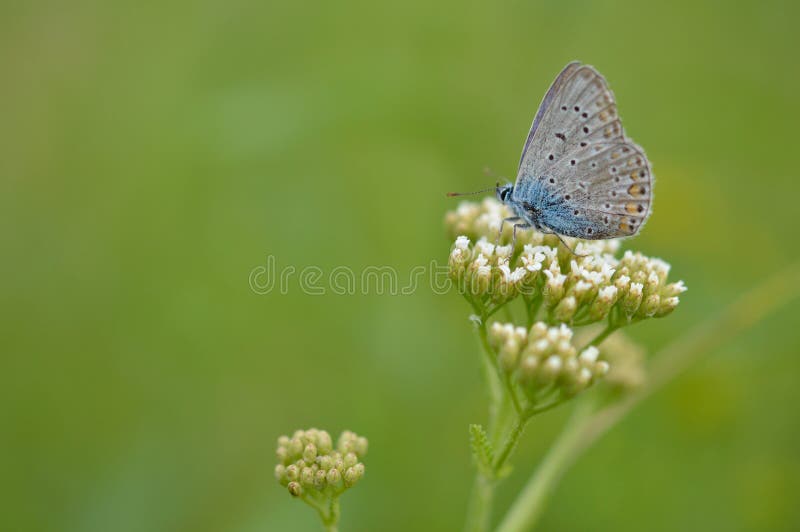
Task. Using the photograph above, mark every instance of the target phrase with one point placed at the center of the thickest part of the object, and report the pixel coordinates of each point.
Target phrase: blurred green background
(152, 154)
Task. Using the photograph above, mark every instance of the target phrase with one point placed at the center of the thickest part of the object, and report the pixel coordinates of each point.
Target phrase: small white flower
(608, 293)
(590, 354)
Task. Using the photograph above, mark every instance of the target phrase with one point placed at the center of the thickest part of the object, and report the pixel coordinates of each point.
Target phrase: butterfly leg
(514, 234)
(500, 232)
(567, 246)
(549, 232)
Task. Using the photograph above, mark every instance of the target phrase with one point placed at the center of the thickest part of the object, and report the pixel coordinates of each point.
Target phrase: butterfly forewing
(553, 92)
(600, 181)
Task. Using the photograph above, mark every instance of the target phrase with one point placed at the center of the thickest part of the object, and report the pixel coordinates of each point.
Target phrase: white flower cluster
(309, 465)
(576, 289)
(544, 361)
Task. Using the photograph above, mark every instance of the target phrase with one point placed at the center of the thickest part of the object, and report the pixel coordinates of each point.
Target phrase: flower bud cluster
(544, 361)
(577, 289)
(626, 359)
(644, 283)
(482, 271)
(309, 464)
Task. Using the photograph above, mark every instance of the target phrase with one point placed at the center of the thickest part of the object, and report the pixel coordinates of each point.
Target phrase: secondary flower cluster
(544, 361)
(309, 465)
(579, 288)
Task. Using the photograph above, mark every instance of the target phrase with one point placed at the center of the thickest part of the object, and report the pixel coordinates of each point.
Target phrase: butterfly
(579, 175)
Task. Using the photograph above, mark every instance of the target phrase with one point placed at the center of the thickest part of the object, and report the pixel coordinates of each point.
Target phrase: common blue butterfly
(579, 175)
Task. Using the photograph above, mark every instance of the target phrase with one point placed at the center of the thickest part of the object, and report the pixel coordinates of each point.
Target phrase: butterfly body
(579, 175)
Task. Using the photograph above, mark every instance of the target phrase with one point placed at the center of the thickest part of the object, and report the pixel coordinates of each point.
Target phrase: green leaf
(481, 449)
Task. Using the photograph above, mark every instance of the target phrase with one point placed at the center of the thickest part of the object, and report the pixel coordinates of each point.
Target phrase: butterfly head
(503, 193)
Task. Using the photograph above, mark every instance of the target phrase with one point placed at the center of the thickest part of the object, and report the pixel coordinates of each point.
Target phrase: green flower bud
(632, 300)
(324, 442)
(320, 479)
(310, 453)
(551, 368)
(565, 309)
(350, 459)
(280, 474)
(307, 477)
(325, 462)
(528, 368)
(673, 289)
(295, 446)
(667, 306)
(508, 355)
(553, 288)
(602, 304)
(295, 489)
(650, 305)
(334, 478)
(350, 477)
(282, 454)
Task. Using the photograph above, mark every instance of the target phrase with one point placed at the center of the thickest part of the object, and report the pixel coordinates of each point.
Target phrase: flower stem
(480, 504)
(605, 333)
(586, 426)
(531, 500)
(332, 522)
(511, 441)
(489, 366)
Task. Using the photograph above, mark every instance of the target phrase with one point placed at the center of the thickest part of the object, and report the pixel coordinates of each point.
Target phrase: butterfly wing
(552, 92)
(598, 182)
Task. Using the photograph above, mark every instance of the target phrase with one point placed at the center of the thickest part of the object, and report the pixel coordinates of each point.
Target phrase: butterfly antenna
(453, 194)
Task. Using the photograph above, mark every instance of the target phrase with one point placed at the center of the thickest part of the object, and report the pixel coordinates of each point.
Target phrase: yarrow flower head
(312, 469)
(544, 361)
(577, 288)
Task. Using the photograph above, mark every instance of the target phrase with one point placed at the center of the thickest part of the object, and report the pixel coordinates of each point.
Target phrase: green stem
(332, 522)
(511, 441)
(584, 429)
(490, 365)
(532, 309)
(531, 500)
(597, 340)
(480, 505)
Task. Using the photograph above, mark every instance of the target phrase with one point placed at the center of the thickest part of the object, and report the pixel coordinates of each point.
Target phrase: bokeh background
(153, 153)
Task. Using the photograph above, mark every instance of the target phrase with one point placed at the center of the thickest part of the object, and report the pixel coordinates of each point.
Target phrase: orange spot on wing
(636, 190)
